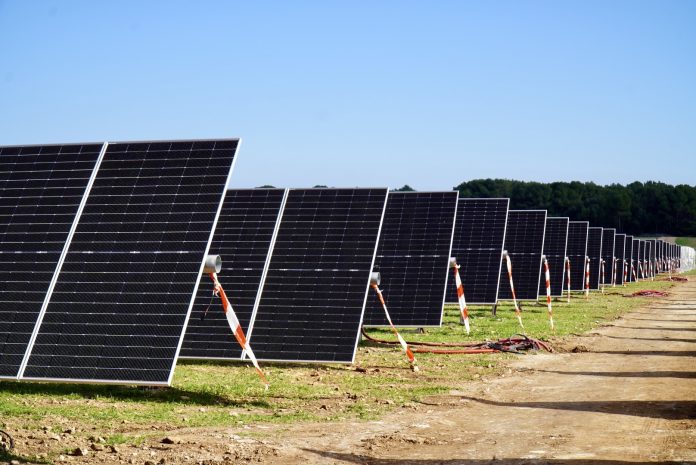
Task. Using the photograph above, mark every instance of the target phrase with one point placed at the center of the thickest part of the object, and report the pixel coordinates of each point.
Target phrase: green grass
(688, 241)
(206, 394)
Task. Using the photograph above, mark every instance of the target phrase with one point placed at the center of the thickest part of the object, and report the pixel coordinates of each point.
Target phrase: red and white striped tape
(235, 326)
(547, 276)
(640, 270)
(625, 273)
(587, 277)
(460, 297)
(633, 271)
(508, 263)
(601, 274)
(567, 267)
(404, 344)
(615, 263)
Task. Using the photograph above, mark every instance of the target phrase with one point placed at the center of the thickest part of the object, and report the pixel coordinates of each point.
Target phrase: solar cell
(242, 238)
(555, 242)
(124, 292)
(41, 188)
(479, 233)
(620, 253)
(413, 258)
(524, 242)
(608, 237)
(576, 252)
(315, 288)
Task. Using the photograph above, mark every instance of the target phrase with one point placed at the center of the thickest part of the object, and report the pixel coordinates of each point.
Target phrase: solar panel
(643, 257)
(594, 251)
(124, 292)
(576, 252)
(620, 253)
(524, 242)
(635, 257)
(413, 258)
(242, 238)
(658, 255)
(555, 242)
(628, 257)
(608, 237)
(315, 288)
(479, 233)
(41, 188)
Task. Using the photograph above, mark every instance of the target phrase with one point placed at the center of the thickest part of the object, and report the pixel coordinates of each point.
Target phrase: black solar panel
(524, 242)
(576, 252)
(243, 239)
(628, 257)
(555, 242)
(315, 290)
(658, 255)
(123, 295)
(479, 234)
(41, 188)
(620, 252)
(594, 251)
(635, 257)
(413, 258)
(643, 258)
(608, 237)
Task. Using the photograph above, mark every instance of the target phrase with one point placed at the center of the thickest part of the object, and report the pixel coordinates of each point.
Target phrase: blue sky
(369, 93)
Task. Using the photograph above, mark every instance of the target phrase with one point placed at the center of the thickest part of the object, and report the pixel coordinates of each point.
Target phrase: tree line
(649, 208)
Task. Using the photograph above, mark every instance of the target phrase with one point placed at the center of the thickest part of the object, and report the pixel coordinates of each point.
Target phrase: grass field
(688, 241)
(229, 394)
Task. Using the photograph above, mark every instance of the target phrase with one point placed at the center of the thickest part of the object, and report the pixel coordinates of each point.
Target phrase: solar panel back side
(41, 188)
(413, 258)
(576, 252)
(555, 242)
(524, 242)
(315, 289)
(123, 295)
(242, 238)
(594, 251)
(608, 238)
(619, 252)
(479, 234)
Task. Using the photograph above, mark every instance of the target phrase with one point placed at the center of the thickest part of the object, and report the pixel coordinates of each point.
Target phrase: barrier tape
(568, 275)
(508, 263)
(404, 344)
(601, 274)
(235, 326)
(547, 275)
(460, 298)
(587, 277)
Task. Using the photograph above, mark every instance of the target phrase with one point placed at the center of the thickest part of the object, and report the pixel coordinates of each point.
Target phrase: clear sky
(368, 93)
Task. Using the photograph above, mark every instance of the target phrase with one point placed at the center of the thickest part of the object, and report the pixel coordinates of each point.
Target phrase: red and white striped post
(625, 273)
(464, 312)
(547, 275)
(374, 283)
(567, 267)
(601, 274)
(587, 277)
(508, 263)
(615, 263)
(640, 270)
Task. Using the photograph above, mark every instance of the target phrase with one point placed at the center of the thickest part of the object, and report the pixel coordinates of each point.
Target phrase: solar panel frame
(479, 237)
(17, 336)
(620, 252)
(39, 370)
(420, 244)
(594, 251)
(243, 238)
(576, 252)
(555, 245)
(525, 256)
(259, 346)
(608, 238)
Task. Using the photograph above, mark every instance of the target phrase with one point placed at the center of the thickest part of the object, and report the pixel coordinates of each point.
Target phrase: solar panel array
(242, 238)
(479, 234)
(620, 253)
(41, 188)
(608, 238)
(594, 251)
(524, 242)
(413, 258)
(315, 289)
(555, 243)
(576, 252)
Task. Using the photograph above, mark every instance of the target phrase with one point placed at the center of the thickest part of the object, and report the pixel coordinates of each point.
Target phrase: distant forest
(638, 208)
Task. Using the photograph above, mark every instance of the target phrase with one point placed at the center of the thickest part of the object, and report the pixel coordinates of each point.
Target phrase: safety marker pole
(633, 271)
(625, 273)
(567, 260)
(640, 270)
(404, 344)
(235, 326)
(460, 294)
(547, 275)
(601, 275)
(615, 263)
(587, 277)
(508, 263)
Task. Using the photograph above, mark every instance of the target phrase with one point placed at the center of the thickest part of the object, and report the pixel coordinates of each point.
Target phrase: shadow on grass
(363, 459)
(9, 457)
(127, 393)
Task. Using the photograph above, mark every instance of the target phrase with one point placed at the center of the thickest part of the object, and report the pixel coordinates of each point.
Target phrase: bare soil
(623, 394)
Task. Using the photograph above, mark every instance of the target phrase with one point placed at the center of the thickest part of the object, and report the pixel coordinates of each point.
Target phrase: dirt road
(630, 399)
